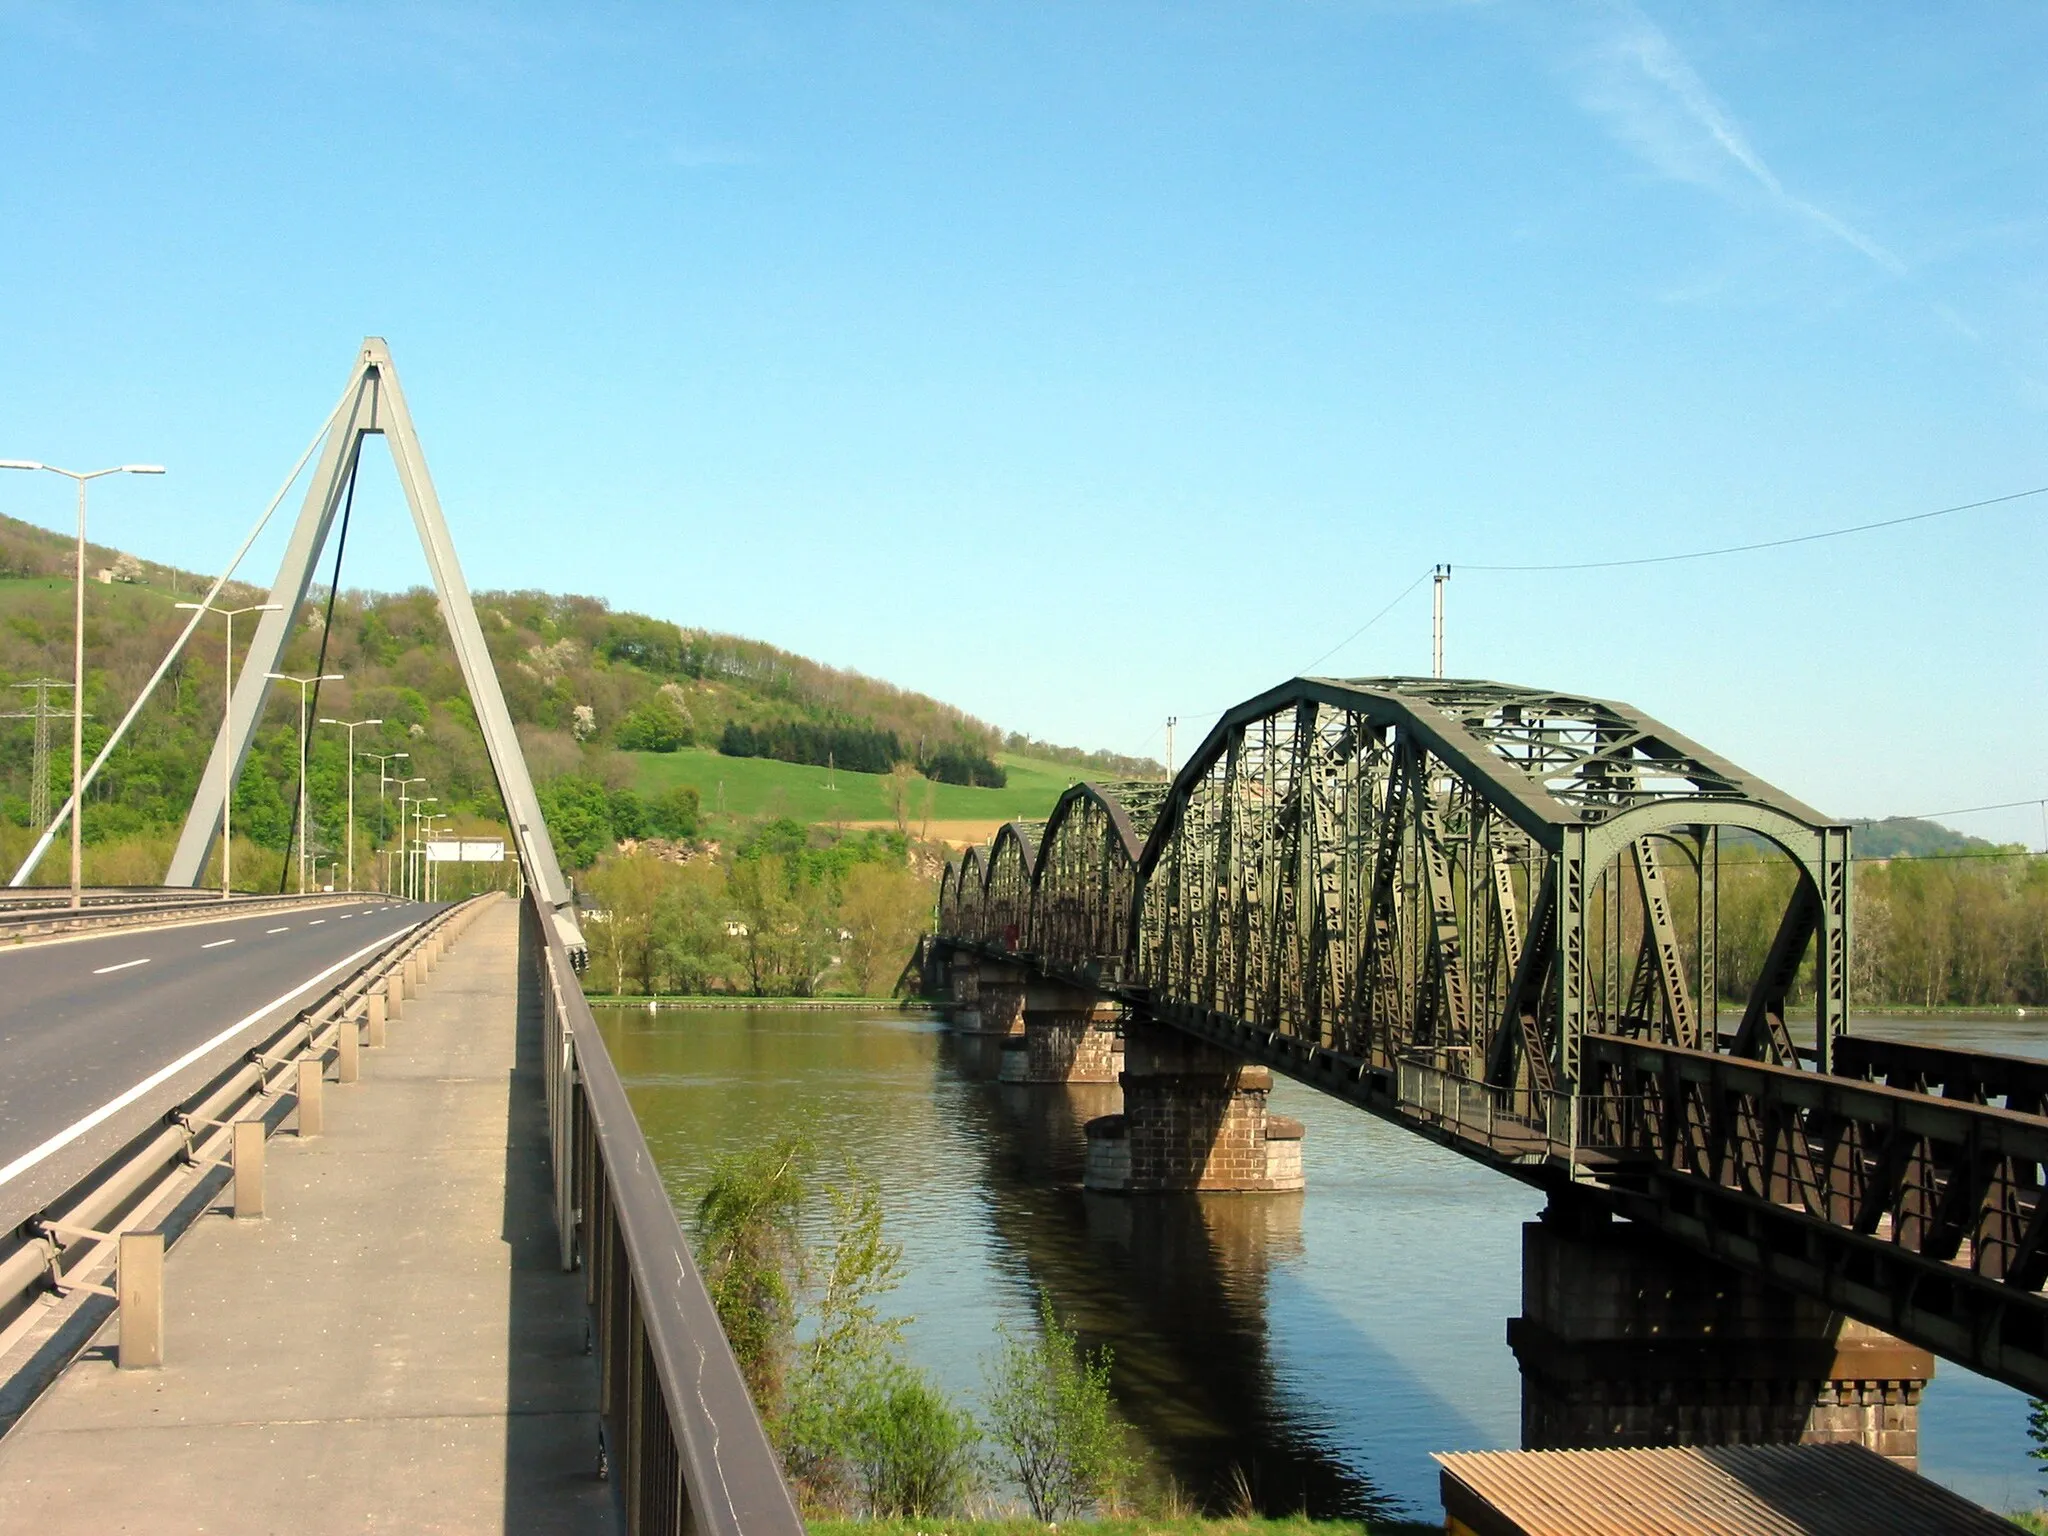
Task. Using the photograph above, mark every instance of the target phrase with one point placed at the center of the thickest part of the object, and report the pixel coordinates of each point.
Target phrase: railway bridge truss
(1504, 918)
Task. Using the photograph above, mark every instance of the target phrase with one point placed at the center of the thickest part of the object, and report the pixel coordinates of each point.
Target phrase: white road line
(345, 917)
(216, 944)
(156, 1079)
(287, 928)
(316, 922)
(125, 965)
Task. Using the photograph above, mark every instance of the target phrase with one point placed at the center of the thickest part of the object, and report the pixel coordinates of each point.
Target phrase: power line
(1741, 549)
(1368, 624)
(1968, 810)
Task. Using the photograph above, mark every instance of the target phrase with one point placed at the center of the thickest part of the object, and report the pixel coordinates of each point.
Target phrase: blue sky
(1082, 364)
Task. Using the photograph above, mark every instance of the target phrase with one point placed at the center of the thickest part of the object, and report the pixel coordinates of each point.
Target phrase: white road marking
(316, 922)
(346, 916)
(125, 965)
(287, 928)
(216, 944)
(162, 1075)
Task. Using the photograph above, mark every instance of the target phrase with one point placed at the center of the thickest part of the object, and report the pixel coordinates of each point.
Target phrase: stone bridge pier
(1627, 1339)
(1066, 1035)
(1194, 1118)
(998, 1008)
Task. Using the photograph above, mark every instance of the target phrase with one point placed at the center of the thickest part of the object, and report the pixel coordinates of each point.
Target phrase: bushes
(1050, 1417)
(656, 726)
(856, 1427)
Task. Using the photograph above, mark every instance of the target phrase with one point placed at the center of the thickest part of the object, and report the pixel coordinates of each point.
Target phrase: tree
(748, 1246)
(674, 812)
(656, 726)
(630, 889)
(885, 908)
(1050, 1416)
(691, 948)
(897, 787)
(579, 817)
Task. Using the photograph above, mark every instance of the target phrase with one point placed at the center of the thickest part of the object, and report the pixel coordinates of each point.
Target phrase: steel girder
(1468, 872)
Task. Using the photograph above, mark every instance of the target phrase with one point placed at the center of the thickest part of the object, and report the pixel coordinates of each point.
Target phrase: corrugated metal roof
(1736, 1490)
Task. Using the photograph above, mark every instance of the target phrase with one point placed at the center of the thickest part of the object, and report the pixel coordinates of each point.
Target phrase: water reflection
(1324, 1343)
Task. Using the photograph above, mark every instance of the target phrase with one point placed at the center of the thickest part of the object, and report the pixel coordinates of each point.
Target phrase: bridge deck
(393, 1348)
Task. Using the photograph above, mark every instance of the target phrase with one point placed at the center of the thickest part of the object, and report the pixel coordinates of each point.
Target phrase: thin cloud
(1641, 86)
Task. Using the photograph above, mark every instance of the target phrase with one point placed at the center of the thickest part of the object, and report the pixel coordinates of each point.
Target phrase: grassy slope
(759, 786)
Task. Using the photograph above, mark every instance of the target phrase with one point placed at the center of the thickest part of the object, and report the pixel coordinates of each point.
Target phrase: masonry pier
(1627, 1339)
(1069, 1035)
(1194, 1118)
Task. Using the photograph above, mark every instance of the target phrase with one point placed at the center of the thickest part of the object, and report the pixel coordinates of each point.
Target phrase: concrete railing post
(394, 994)
(246, 1154)
(376, 1020)
(348, 1041)
(311, 1071)
(139, 1292)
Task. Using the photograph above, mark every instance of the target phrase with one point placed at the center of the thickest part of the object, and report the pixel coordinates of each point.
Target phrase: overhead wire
(1743, 549)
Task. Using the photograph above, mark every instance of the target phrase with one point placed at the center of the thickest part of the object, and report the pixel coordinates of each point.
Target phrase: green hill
(623, 704)
(752, 787)
(1896, 835)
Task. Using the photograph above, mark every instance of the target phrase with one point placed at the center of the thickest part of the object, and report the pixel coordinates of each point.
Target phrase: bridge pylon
(373, 404)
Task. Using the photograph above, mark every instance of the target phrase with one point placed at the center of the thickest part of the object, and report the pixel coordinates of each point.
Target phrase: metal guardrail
(682, 1440)
(31, 920)
(67, 1245)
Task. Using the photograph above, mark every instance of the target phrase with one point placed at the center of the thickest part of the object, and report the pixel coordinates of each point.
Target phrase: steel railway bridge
(1489, 914)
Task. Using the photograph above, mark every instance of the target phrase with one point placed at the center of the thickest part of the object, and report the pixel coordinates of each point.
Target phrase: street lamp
(381, 759)
(304, 730)
(433, 877)
(404, 855)
(78, 651)
(227, 772)
(350, 727)
(418, 867)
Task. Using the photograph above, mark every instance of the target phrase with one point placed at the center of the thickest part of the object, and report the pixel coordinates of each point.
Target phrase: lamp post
(79, 477)
(431, 876)
(404, 857)
(381, 759)
(304, 730)
(227, 772)
(418, 866)
(350, 727)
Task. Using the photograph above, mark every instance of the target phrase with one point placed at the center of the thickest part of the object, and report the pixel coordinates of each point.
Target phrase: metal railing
(40, 918)
(682, 1440)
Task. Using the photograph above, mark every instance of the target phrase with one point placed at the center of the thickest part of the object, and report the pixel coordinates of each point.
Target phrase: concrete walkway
(392, 1349)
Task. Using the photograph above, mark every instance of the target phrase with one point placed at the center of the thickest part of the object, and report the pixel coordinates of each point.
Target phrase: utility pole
(42, 714)
(1439, 576)
(1171, 722)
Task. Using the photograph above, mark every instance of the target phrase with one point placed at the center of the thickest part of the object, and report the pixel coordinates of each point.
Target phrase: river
(1321, 1345)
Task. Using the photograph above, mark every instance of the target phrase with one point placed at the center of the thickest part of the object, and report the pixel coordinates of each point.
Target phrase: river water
(1318, 1345)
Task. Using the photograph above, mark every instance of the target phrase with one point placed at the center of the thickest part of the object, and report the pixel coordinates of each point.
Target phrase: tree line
(792, 912)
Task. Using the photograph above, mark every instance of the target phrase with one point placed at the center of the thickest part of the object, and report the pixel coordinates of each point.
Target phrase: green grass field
(746, 787)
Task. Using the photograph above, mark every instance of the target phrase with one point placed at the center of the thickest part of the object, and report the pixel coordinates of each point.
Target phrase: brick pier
(1194, 1118)
(1068, 1036)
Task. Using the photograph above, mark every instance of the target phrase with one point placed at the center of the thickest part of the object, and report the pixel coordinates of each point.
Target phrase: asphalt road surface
(100, 1036)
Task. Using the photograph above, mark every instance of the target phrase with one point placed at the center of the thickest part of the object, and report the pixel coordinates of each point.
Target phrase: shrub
(1050, 1416)
(656, 726)
(753, 1262)
(913, 1452)
(674, 812)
